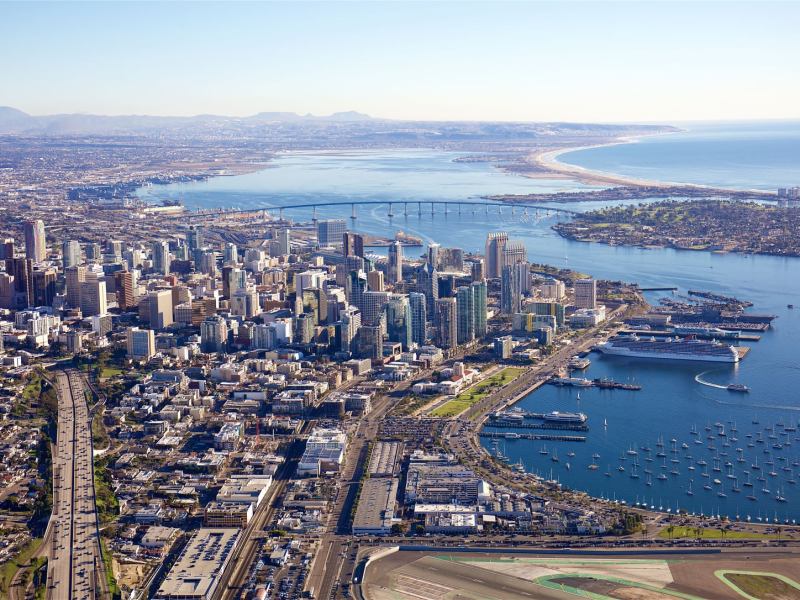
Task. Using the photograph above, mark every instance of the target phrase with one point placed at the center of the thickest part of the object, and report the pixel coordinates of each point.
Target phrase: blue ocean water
(751, 155)
(671, 401)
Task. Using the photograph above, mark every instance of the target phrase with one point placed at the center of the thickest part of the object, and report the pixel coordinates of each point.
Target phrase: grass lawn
(10, 568)
(476, 393)
(765, 586)
(709, 533)
(107, 372)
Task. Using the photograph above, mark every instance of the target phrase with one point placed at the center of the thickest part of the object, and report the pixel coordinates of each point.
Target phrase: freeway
(75, 568)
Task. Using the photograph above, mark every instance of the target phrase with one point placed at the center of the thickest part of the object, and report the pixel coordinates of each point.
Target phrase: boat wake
(699, 379)
(758, 406)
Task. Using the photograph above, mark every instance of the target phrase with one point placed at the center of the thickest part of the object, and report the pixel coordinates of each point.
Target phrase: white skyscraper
(35, 240)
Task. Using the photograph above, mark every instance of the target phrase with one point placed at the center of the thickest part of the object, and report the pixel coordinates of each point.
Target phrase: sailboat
(689, 492)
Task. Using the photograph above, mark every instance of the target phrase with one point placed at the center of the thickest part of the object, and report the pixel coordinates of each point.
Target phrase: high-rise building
(230, 255)
(419, 317)
(93, 252)
(395, 262)
(349, 324)
(264, 338)
(156, 309)
(373, 305)
(141, 343)
(35, 240)
(284, 244)
(399, 321)
(7, 249)
(370, 342)
(465, 304)
(352, 244)
(70, 253)
(510, 296)
(114, 250)
(514, 252)
(22, 270)
(330, 232)
(214, 334)
(244, 302)
(355, 288)
(375, 281)
(124, 285)
(433, 255)
(555, 309)
(585, 293)
(44, 286)
(194, 238)
(553, 288)
(479, 293)
(495, 244)
(75, 276)
(477, 270)
(93, 296)
(446, 321)
(161, 257)
(428, 284)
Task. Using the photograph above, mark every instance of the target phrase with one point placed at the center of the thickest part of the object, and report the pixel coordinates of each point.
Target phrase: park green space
(710, 533)
(476, 393)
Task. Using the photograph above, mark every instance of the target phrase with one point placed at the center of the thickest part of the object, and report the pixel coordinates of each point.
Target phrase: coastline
(547, 161)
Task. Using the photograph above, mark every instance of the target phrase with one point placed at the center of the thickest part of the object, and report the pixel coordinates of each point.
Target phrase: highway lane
(75, 568)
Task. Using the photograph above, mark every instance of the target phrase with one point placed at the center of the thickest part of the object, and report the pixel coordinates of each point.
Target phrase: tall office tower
(93, 252)
(35, 241)
(477, 270)
(44, 286)
(7, 249)
(355, 288)
(399, 321)
(230, 254)
(352, 244)
(304, 328)
(194, 237)
(419, 317)
(284, 243)
(124, 285)
(553, 288)
(70, 253)
(522, 271)
(114, 249)
(208, 263)
(7, 291)
(244, 302)
(465, 307)
(161, 258)
(264, 338)
(433, 255)
(140, 343)
(22, 270)
(428, 284)
(309, 279)
(510, 296)
(586, 293)
(315, 303)
(330, 232)
(513, 253)
(451, 259)
(373, 305)
(214, 334)
(93, 296)
(446, 321)
(349, 325)
(156, 309)
(395, 262)
(75, 276)
(370, 342)
(375, 281)
(479, 300)
(495, 244)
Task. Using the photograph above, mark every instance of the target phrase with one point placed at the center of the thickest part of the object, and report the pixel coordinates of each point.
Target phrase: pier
(516, 424)
(533, 436)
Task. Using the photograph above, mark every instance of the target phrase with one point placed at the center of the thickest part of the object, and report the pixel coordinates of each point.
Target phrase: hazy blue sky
(589, 61)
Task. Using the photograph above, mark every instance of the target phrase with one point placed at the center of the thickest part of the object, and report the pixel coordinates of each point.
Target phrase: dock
(516, 424)
(728, 334)
(533, 436)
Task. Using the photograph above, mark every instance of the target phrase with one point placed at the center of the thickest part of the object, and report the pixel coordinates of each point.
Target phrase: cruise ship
(564, 417)
(670, 348)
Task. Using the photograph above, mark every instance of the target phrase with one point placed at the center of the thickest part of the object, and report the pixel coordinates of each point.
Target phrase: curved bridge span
(401, 207)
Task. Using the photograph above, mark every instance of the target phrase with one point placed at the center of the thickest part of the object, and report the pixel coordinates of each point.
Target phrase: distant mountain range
(13, 120)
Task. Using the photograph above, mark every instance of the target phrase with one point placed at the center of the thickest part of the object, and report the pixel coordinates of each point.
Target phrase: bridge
(404, 207)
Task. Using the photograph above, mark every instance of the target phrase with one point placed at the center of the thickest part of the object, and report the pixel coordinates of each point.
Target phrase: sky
(528, 61)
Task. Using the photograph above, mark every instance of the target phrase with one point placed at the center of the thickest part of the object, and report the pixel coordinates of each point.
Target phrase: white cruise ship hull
(731, 358)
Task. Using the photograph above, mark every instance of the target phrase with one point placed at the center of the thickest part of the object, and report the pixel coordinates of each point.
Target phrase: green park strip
(476, 393)
(20, 561)
(766, 585)
(551, 582)
(710, 533)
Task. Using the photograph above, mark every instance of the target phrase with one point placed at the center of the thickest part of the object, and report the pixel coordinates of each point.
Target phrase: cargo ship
(670, 349)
